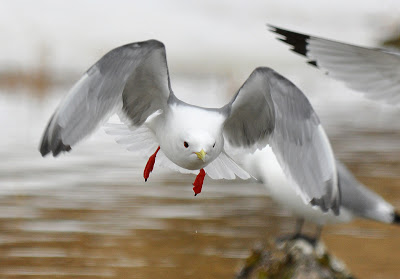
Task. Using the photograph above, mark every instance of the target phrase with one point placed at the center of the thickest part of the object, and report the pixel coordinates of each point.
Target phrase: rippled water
(89, 214)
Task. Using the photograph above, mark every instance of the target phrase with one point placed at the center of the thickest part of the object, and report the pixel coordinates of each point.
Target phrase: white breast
(200, 127)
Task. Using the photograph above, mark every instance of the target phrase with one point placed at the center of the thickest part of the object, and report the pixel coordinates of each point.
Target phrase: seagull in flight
(357, 199)
(373, 71)
(133, 82)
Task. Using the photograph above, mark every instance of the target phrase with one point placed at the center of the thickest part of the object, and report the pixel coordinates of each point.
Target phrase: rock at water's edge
(292, 259)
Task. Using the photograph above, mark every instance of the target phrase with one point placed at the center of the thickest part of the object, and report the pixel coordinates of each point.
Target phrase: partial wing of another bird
(375, 72)
(131, 80)
(268, 108)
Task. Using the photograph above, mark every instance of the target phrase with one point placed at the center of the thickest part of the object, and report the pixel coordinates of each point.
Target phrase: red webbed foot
(150, 165)
(198, 183)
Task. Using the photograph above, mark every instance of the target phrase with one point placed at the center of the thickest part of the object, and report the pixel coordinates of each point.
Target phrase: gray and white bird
(375, 72)
(133, 81)
(357, 199)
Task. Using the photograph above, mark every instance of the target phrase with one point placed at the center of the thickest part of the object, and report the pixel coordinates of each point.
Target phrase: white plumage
(357, 200)
(133, 81)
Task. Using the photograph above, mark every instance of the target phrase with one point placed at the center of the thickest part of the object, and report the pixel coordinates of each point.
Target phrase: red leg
(150, 164)
(198, 183)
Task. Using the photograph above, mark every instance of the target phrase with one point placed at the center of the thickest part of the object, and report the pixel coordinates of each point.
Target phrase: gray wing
(131, 80)
(360, 200)
(269, 108)
(374, 72)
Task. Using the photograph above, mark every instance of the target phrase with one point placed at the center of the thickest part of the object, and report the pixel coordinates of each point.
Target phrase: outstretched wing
(131, 80)
(375, 72)
(268, 108)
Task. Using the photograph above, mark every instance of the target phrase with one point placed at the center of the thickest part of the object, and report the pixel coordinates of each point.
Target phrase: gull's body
(191, 124)
(372, 71)
(133, 81)
(357, 199)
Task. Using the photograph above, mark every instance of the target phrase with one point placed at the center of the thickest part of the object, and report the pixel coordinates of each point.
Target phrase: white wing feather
(223, 167)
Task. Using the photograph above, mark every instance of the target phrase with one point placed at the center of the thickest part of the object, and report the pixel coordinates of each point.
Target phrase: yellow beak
(201, 155)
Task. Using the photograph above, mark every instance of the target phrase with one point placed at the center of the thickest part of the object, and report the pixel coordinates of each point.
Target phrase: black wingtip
(313, 63)
(271, 27)
(44, 147)
(298, 41)
(396, 218)
(55, 148)
(51, 140)
(61, 147)
(45, 144)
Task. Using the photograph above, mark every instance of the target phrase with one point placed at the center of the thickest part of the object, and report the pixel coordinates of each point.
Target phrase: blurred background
(89, 214)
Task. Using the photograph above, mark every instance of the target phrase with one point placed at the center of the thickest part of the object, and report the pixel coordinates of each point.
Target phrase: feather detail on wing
(374, 72)
(132, 80)
(137, 140)
(269, 108)
(223, 167)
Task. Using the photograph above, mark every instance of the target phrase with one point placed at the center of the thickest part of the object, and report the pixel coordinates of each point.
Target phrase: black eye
(214, 145)
(185, 144)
